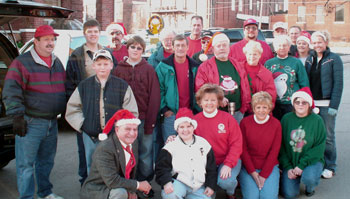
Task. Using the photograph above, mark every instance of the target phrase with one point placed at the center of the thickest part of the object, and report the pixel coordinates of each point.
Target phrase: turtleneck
(210, 115)
(263, 121)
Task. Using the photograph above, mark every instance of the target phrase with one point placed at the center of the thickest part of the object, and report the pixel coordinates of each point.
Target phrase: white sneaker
(327, 174)
(52, 196)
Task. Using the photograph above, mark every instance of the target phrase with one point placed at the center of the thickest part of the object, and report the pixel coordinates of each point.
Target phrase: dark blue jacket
(331, 75)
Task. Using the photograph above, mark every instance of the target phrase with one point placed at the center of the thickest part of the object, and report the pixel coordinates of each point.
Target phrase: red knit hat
(184, 115)
(117, 26)
(306, 94)
(120, 118)
(44, 30)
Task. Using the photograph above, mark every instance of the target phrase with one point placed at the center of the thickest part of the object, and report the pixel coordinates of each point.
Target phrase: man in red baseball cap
(34, 94)
(251, 31)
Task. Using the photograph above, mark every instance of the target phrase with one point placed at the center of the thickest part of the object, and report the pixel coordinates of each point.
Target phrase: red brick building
(331, 15)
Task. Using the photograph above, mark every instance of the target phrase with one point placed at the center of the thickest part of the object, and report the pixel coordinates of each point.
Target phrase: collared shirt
(127, 154)
(88, 55)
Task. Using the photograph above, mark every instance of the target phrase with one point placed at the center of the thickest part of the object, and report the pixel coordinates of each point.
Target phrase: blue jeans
(310, 177)
(183, 191)
(251, 191)
(230, 184)
(145, 169)
(238, 116)
(330, 154)
(118, 193)
(158, 142)
(90, 146)
(82, 160)
(35, 153)
(168, 127)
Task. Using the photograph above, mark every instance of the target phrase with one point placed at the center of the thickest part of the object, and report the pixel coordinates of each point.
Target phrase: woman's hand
(262, 182)
(224, 102)
(168, 188)
(297, 171)
(255, 176)
(208, 192)
(225, 172)
(291, 174)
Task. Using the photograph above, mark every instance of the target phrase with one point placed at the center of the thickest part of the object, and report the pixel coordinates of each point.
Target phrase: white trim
(128, 121)
(184, 119)
(304, 95)
(263, 121)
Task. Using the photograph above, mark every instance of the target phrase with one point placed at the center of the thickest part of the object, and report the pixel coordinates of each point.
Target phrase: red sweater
(223, 134)
(194, 46)
(261, 144)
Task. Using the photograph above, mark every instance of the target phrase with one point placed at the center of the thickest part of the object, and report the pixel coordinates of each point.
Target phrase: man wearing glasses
(207, 50)
(116, 33)
(250, 28)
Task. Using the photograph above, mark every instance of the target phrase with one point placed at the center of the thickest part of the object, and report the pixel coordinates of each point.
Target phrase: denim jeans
(35, 153)
(82, 160)
(330, 154)
(281, 109)
(90, 146)
(118, 193)
(183, 191)
(158, 142)
(168, 127)
(230, 184)
(238, 116)
(145, 169)
(250, 190)
(310, 177)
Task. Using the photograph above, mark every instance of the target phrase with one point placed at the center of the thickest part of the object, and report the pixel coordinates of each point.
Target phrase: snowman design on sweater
(297, 140)
(284, 78)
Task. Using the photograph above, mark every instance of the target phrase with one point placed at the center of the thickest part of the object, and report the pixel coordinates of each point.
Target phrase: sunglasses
(134, 47)
(205, 41)
(304, 103)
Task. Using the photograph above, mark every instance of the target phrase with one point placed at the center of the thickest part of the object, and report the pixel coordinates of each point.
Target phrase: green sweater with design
(303, 141)
(289, 75)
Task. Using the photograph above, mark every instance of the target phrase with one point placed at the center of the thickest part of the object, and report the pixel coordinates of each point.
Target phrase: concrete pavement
(65, 179)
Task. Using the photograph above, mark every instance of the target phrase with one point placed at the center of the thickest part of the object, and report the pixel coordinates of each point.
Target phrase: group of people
(206, 113)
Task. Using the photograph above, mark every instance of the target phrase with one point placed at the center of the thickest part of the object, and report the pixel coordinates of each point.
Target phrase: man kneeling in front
(112, 174)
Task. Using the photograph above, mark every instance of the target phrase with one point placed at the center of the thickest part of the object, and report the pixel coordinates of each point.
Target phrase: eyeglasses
(251, 28)
(205, 41)
(116, 33)
(134, 47)
(299, 103)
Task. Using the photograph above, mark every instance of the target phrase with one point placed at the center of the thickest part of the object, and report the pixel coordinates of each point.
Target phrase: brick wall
(105, 12)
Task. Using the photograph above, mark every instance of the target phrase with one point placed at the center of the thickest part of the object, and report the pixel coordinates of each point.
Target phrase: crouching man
(114, 163)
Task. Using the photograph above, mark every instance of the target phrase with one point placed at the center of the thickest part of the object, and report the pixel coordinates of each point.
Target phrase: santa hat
(220, 37)
(306, 94)
(203, 57)
(116, 26)
(305, 36)
(120, 118)
(276, 74)
(184, 115)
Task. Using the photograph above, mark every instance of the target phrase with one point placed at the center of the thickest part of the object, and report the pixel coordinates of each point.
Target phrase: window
(301, 14)
(250, 4)
(240, 5)
(233, 5)
(319, 14)
(339, 13)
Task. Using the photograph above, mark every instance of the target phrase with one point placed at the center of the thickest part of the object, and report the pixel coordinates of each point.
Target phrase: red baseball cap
(44, 30)
(249, 22)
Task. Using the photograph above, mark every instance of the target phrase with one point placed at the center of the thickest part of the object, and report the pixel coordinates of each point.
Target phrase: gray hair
(281, 39)
(165, 32)
(252, 45)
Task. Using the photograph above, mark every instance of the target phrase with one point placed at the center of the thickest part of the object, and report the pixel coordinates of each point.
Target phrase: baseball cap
(102, 53)
(207, 34)
(280, 25)
(44, 30)
(249, 22)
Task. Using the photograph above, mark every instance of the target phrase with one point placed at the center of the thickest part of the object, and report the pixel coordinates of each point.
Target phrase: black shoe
(309, 194)
(149, 195)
